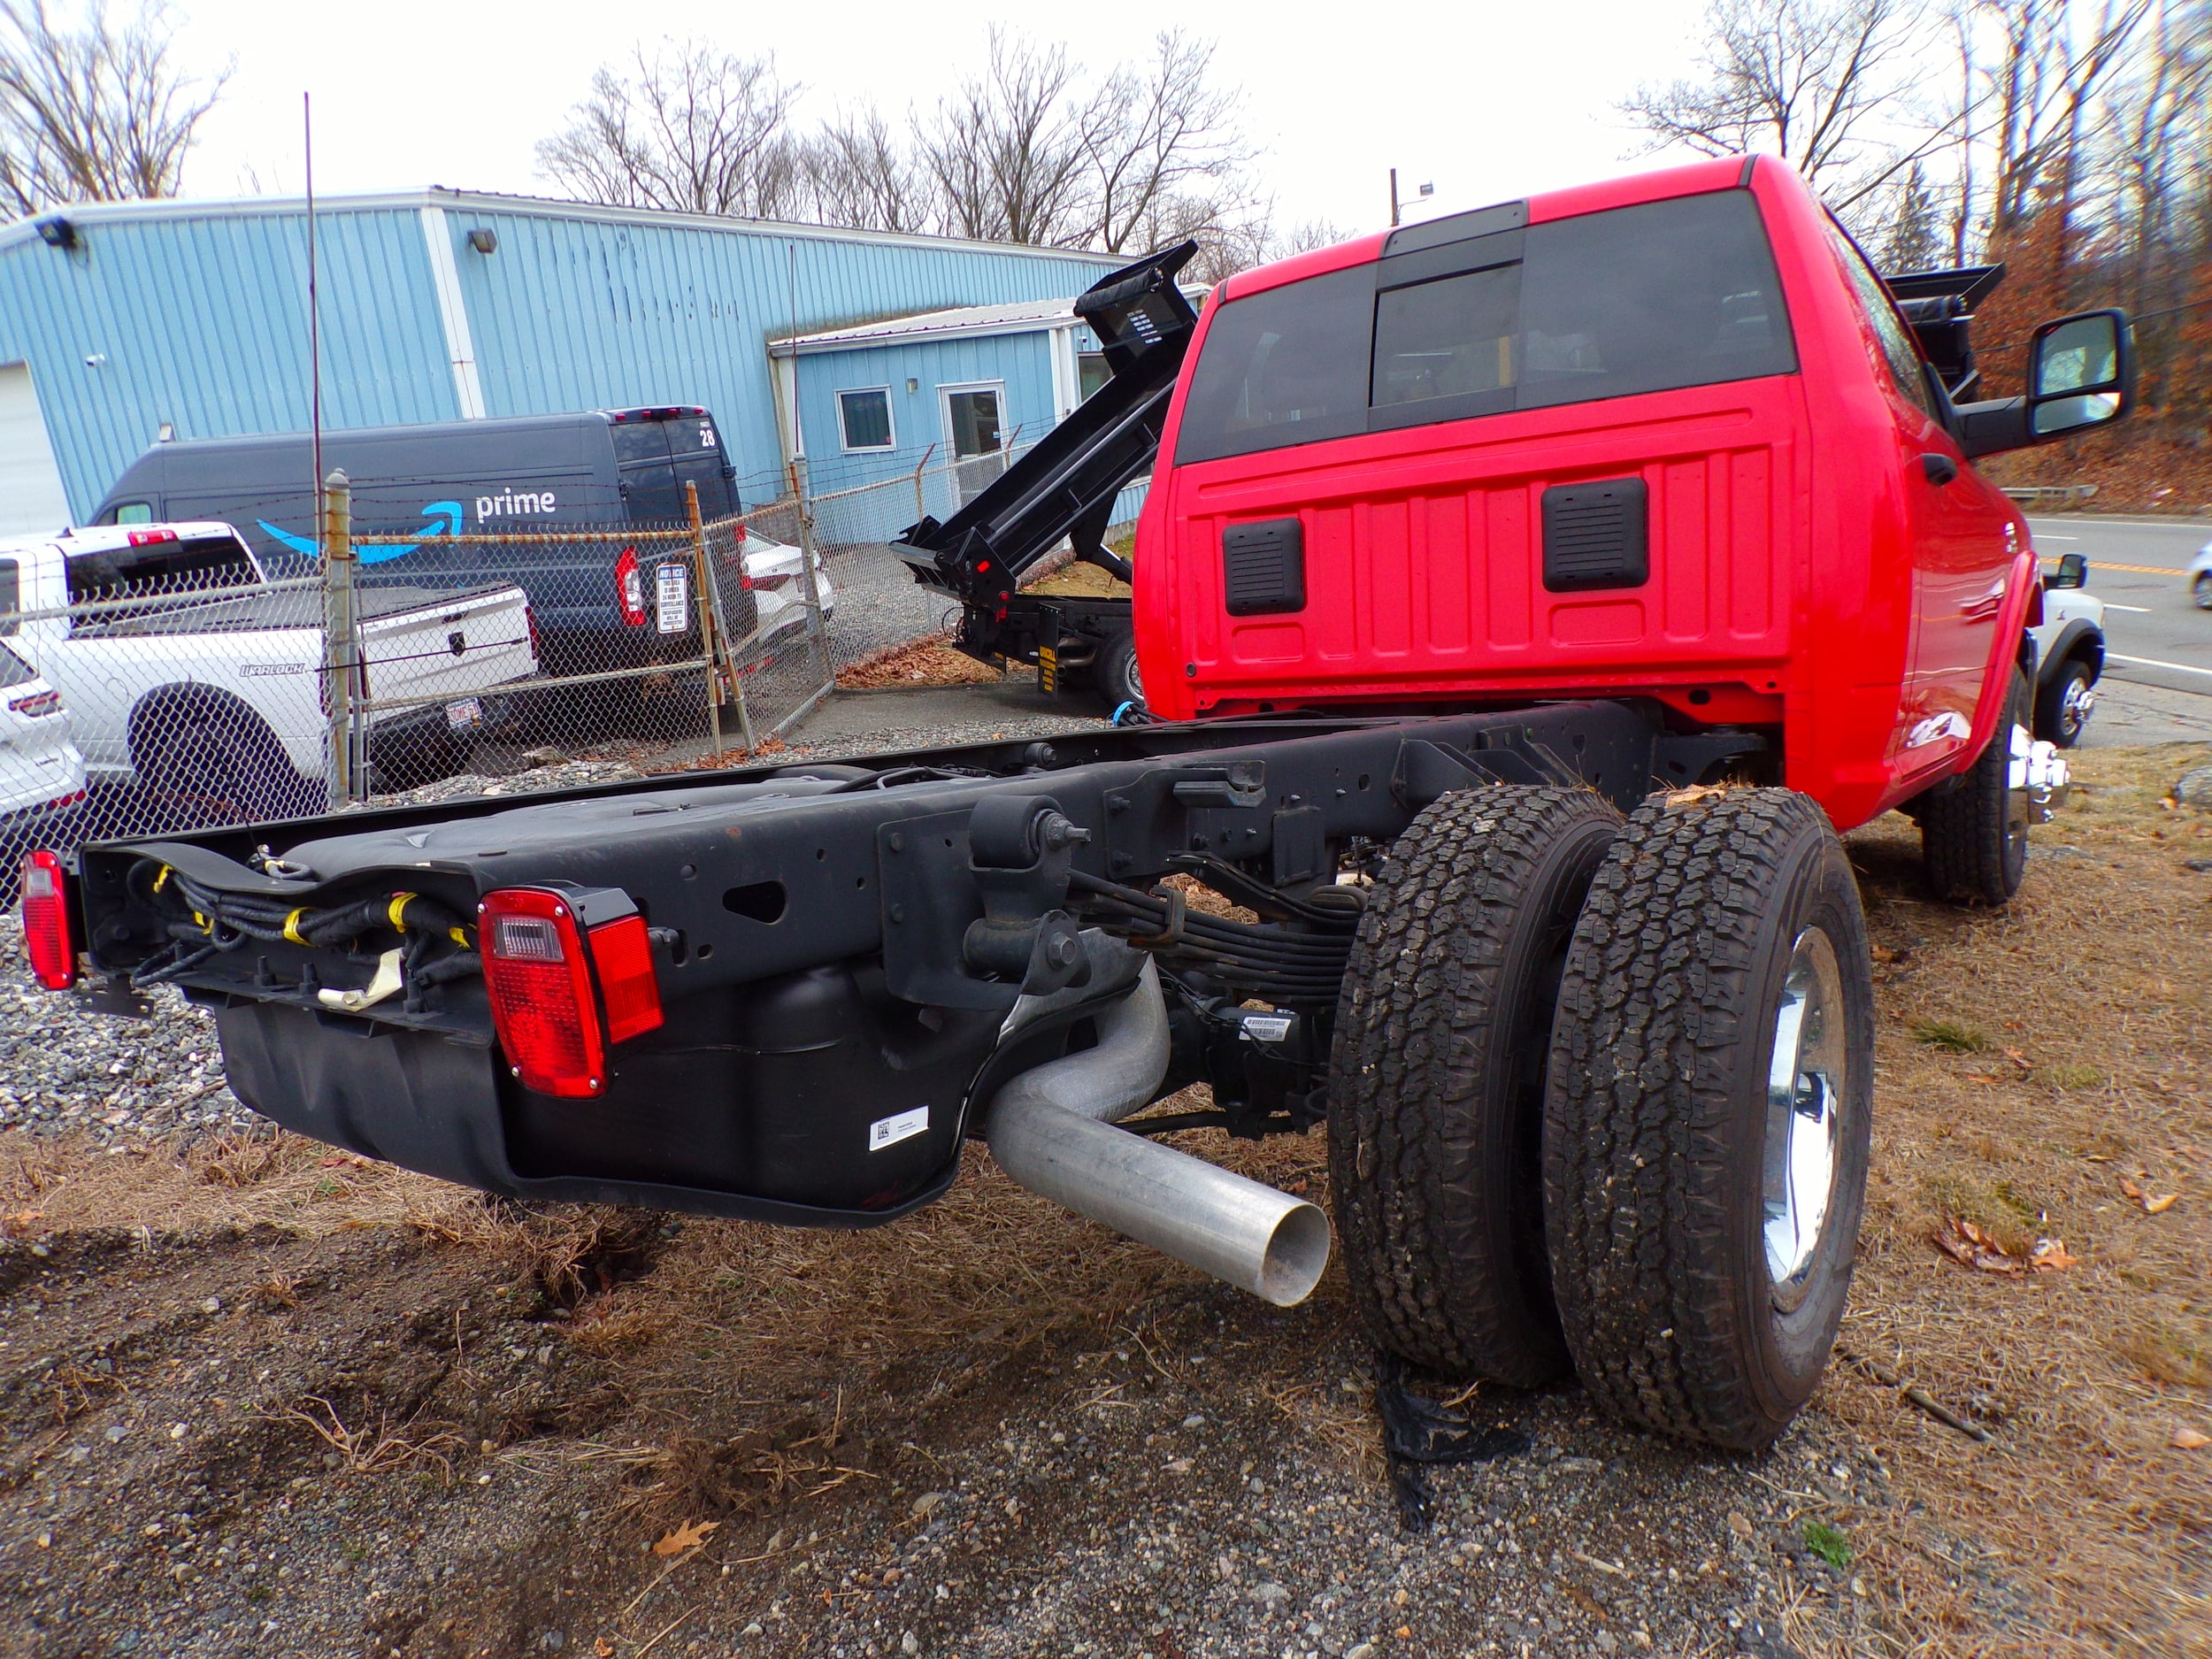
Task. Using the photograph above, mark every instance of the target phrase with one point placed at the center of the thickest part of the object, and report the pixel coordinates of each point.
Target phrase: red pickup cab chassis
(1532, 593)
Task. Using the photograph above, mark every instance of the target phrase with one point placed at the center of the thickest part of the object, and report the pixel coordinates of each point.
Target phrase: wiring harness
(203, 923)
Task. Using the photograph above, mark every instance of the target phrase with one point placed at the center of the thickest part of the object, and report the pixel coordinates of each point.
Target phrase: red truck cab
(1658, 437)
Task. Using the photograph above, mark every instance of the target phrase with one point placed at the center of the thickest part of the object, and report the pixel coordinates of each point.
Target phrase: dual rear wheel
(1601, 1098)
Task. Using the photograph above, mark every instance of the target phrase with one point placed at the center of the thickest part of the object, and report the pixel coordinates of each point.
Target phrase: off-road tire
(1973, 830)
(1655, 1115)
(1436, 1081)
(1114, 676)
(2054, 721)
(220, 756)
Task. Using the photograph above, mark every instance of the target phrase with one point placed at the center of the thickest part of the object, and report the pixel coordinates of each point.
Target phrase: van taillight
(46, 933)
(36, 703)
(554, 1022)
(629, 587)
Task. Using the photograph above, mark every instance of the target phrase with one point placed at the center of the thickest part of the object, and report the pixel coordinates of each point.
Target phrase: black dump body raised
(1065, 488)
(833, 945)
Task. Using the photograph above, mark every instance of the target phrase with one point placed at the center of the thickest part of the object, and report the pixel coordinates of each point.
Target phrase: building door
(975, 433)
(31, 498)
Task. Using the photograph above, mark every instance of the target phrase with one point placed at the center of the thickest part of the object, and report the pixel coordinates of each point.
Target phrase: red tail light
(35, 704)
(629, 587)
(150, 538)
(538, 970)
(623, 954)
(46, 933)
(530, 620)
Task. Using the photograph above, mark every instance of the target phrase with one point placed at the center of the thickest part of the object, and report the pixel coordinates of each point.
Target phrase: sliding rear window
(1640, 299)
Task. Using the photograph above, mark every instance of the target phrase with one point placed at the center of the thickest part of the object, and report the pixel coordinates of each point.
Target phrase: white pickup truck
(189, 675)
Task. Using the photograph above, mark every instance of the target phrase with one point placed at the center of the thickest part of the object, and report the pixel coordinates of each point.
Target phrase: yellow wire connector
(292, 927)
(398, 914)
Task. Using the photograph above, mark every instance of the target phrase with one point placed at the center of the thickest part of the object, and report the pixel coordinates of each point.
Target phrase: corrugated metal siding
(202, 323)
(581, 313)
(202, 319)
(1022, 364)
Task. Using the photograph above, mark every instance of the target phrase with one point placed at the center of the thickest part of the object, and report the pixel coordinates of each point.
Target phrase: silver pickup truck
(188, 673)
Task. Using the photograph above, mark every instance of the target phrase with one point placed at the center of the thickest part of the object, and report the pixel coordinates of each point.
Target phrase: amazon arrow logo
(439, 518)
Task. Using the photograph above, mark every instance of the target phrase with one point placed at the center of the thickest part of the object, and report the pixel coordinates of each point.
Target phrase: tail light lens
(35, 704)
(555, 1016)
(46, 931)
(629, 587)
(530, 620)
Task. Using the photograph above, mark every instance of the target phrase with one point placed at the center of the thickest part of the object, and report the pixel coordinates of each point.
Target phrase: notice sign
(672, 592)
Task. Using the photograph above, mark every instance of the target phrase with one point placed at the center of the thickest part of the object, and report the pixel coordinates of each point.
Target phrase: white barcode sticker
(888, 1132)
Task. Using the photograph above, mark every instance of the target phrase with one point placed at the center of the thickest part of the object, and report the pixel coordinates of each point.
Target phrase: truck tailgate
(421, 644)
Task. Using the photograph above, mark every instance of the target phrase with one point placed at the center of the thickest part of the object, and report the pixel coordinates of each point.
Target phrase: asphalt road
(2154, 635)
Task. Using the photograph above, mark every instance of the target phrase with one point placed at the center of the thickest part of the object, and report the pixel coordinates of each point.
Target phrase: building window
(863, 418)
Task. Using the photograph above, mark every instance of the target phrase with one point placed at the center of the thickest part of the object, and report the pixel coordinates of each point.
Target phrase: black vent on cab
(1594, 536)
(1264, 567)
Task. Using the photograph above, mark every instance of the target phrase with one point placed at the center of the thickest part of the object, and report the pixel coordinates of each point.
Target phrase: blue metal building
(121, 324)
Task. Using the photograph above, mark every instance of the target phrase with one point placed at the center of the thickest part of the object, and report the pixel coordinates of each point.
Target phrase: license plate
(466, 711)
(671, 591)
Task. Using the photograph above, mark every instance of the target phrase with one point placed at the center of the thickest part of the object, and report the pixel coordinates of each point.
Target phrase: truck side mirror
(2081, 373)
(2072, 571)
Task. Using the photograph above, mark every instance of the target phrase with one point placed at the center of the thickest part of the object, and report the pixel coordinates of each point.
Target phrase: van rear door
(657, 451)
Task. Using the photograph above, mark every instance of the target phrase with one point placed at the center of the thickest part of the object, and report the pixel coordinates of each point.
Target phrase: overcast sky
(1486, 101)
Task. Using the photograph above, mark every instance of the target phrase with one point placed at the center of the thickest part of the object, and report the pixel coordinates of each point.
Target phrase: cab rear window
(1648, 298)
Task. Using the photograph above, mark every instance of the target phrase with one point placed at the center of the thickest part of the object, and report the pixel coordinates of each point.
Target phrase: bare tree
(2048, 70)
(1817, 82)
(688, 128)
(1007, 152)
(860, 174)
(94, 112)
(1158, 138)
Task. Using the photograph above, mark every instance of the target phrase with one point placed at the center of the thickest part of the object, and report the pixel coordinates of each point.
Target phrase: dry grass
(2031, 1066)
(922, 663)
(242, 1180)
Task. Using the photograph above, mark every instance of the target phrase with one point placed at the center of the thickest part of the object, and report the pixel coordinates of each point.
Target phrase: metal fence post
(710, 650)
(341, 634)
(806, 570)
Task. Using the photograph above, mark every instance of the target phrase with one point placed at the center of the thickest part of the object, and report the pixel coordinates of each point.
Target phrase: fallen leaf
(690, 1535)
(2190, 1439)
(1982, 1077)
(2019, 1059)
(2150, 1206)
(601, 1648)
(1881, 953)
(1970, 1247)
(2051, 1257)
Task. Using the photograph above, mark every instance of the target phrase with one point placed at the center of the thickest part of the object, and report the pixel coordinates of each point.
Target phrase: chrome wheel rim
(2074, 704)
(2020, 745)
(1808, 1092)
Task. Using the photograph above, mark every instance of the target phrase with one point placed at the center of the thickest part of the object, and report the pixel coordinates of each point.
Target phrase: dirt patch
(1079, 579)
(262, 1397)
(920, 662)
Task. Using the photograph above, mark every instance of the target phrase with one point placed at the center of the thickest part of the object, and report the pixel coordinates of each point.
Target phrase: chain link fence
(155, 679)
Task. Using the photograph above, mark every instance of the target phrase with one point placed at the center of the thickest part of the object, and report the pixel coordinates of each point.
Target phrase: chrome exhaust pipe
(1052, 1131)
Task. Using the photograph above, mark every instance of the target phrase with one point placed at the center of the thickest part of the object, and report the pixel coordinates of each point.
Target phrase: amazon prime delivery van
(600, 469)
